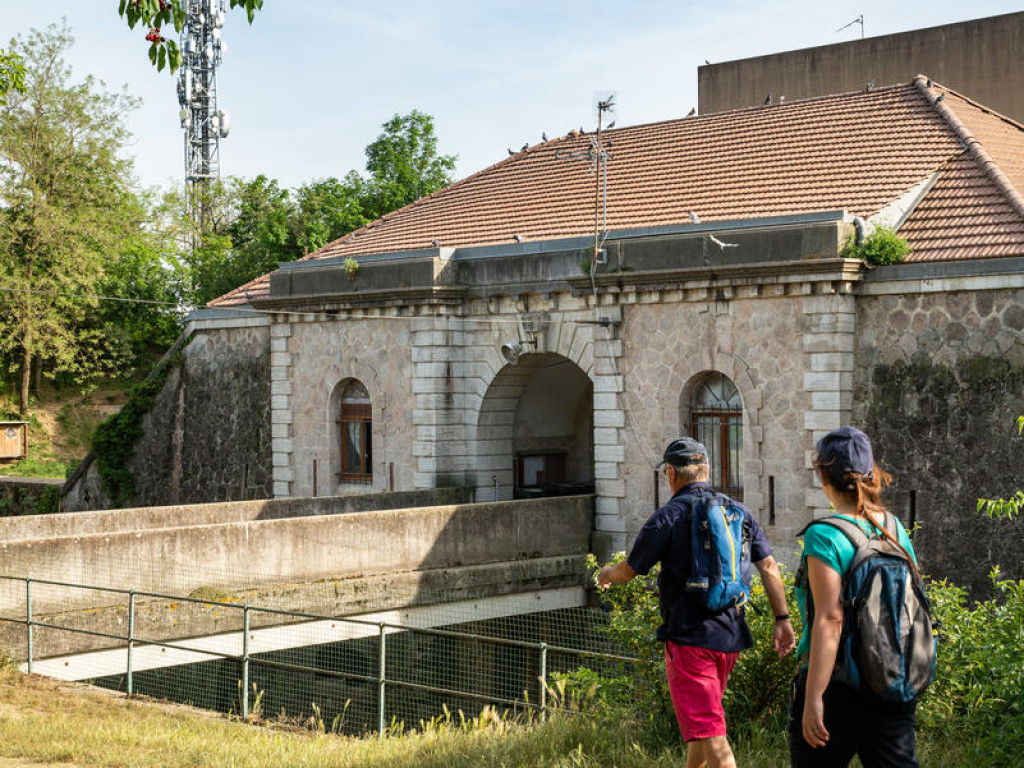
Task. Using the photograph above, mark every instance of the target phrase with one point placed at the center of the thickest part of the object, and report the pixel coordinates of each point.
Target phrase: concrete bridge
(422, 558)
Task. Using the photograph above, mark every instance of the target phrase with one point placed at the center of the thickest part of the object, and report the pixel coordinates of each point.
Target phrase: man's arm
(619, 573)
(783, 639)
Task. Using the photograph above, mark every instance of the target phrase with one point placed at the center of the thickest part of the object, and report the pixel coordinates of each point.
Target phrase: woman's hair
(863, 493)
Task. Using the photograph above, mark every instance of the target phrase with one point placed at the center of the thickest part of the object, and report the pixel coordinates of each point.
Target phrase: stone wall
(939, 384)
(28, 496)
(207, 437)
(758, 345)
(312, 362)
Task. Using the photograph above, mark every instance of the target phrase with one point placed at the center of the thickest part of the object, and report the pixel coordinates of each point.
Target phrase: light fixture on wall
(511, 350)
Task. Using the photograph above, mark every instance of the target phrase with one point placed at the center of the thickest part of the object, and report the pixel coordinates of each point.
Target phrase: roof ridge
(974, 146)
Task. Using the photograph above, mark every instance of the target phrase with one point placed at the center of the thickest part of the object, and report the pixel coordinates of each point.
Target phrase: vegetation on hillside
(97, 274)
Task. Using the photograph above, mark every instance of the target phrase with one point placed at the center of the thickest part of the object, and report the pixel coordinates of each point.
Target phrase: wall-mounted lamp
(511, 350)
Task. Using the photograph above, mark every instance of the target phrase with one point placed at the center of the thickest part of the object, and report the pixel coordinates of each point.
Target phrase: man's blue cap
(683, 451)
(846, 449)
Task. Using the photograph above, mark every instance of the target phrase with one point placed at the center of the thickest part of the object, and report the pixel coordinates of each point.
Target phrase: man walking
(701, 647)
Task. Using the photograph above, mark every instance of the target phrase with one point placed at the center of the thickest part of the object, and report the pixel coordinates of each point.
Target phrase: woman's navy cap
(846, 449)
(683, 451)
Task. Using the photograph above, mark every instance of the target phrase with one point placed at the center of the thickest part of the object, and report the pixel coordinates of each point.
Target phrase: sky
(310, 82)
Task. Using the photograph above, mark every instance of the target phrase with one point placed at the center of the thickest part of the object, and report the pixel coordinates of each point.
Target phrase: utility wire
(90, 296)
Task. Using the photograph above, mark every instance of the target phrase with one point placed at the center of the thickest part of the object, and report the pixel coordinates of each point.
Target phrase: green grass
(49, 721)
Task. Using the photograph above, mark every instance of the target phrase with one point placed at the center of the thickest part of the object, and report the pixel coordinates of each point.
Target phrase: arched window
(716, 419)
(356, 434)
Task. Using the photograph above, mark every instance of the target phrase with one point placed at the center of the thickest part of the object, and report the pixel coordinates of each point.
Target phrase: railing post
(381, 682)
(543, 680)
(28, 624)
(130, 683)
(245, 661)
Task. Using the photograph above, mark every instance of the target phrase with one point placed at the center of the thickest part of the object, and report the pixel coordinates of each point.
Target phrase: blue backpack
(719, 552)
(887, 646)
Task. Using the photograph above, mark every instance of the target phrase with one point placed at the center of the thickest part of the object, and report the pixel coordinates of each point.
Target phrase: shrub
(977, 698)
(758, 691)
(882, 247)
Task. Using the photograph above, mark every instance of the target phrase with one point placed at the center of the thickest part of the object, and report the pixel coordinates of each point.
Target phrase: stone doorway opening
(535, 435)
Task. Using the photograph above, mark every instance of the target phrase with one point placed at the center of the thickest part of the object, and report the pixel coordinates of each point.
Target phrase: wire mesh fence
(352, 675)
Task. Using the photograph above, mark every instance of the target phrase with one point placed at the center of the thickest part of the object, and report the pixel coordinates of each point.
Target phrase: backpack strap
(852, 531)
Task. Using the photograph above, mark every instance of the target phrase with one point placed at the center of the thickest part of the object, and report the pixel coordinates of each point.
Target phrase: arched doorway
(716, 420)
(535, 433)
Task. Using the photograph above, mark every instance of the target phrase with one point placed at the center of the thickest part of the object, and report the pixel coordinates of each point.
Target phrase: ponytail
(865, 494)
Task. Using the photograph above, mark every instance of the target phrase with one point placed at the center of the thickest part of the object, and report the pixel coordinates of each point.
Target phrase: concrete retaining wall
(144, 518)
(299, 550)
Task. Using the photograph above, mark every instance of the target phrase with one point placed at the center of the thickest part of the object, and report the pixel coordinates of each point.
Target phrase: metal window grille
(716, 420)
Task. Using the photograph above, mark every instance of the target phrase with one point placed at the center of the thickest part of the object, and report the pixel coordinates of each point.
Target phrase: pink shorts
(696, 681)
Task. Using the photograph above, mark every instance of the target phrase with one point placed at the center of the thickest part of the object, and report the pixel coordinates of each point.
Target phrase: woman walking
(829, 720)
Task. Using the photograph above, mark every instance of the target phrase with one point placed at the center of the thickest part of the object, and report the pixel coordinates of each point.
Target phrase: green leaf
(173, 55)
(161, 59)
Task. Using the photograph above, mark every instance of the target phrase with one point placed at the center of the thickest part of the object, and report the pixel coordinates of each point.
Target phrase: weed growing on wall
(114, 439)
(881, 248)
(1005, 508)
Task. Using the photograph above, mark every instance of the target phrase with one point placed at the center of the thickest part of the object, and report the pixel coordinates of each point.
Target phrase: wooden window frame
(361, 414)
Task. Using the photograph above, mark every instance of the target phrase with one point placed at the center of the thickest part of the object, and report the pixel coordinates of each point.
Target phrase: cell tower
(204, 124)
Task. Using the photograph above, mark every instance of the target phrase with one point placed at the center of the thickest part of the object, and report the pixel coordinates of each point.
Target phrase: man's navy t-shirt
(665, 538)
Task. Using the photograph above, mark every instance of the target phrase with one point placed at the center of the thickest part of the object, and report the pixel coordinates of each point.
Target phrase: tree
(63, 187)
(200, 252)
(404, 165)
(146, 317)
(12, 75)
(261, 235)
(254, 225)
(157, 15)
(326, 209)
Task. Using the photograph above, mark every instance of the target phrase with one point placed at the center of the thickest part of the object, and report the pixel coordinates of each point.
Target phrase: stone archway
(535, 430)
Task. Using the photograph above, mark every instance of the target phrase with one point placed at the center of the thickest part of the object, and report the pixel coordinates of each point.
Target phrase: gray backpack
(887, 646)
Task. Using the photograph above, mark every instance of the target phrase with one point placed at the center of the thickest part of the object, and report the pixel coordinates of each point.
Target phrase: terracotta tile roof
(856, 152)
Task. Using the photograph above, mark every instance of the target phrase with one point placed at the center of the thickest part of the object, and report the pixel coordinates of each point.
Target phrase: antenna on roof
(858, 20)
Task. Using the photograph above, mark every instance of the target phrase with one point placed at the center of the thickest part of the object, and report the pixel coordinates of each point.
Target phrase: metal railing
(385, 685)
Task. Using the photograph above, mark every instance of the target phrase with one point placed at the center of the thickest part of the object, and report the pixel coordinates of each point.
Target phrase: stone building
(469, 338)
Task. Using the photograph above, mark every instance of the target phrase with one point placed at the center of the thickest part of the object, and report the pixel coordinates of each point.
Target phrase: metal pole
(543, 681)
(314, 478)
(245, 661)
(28, 622)
(381, 682)
(494, 479)
(130, 683)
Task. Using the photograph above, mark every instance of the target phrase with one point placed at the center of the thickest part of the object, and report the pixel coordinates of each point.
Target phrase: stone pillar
(610, 435)
(282, 440)
(445, 395)
(828, 344)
